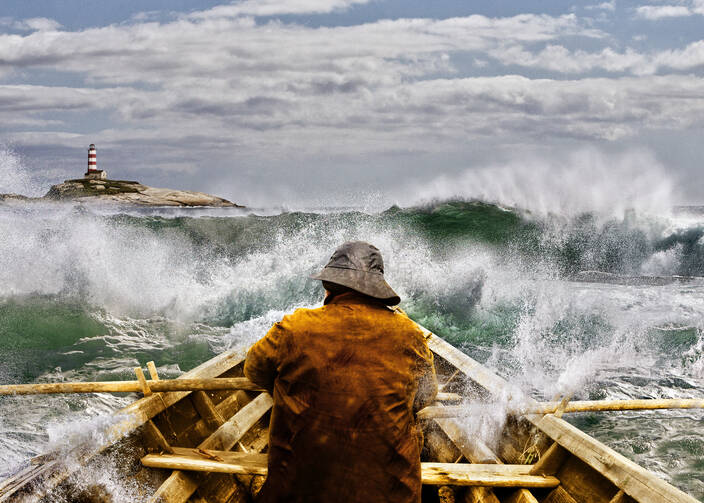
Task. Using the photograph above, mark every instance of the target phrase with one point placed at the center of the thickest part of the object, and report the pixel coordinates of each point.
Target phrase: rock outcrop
(129, 192)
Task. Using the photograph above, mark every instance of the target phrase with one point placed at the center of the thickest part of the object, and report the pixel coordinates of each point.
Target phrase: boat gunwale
(634, 480)
(134, 416)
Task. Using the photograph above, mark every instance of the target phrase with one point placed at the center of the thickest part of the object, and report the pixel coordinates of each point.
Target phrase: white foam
(588, 180)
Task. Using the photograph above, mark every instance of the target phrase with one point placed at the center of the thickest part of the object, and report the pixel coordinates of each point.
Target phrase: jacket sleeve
(263, 360)
(427, 379)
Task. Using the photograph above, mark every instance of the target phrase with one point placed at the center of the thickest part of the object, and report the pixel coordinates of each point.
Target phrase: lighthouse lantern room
(93, 171)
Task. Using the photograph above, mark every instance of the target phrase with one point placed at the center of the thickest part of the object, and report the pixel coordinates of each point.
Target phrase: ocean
(590, 304)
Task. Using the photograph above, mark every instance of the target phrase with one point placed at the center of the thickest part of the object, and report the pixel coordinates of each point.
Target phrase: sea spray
(587, 180)
(15, 177)
(128, 288)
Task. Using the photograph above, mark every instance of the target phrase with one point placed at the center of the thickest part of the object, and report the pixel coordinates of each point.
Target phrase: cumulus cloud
(31, 24)
(275, 7)
(557, 58)
(217, 85)
(654, 12)
(610, 6)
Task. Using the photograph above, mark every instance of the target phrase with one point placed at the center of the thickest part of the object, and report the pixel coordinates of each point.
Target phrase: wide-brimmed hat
(358, 265)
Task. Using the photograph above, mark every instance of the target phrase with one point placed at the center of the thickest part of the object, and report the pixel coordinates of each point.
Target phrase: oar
(577, 406)
(218, 383)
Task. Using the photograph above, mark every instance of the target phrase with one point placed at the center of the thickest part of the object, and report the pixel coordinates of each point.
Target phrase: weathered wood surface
(180, 486)
(521, 496)
(456, 474)
(434, 412)
(472, 448)
(480, 495)
(466, 474)
(550, 461)
(559, 495)
(188, 459)
(206, 410)
(147, 386)
(53, 472)
(640, 484)
(634, 480)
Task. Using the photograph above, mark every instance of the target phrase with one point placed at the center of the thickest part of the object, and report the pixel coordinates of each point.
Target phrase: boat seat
(455, 474)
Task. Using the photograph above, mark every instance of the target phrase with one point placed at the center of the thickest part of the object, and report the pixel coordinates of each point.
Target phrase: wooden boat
(210, 447)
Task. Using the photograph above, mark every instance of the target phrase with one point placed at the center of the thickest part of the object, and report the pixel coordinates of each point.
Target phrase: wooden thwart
(635, 481)
(180, 486)
(434, 412)
(458, 474)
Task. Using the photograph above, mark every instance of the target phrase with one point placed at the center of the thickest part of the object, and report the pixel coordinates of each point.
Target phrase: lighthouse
(93, 171)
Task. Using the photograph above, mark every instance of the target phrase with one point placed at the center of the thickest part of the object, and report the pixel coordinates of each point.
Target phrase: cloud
(231, 77)
(219, 90)
(275, 8)
(31, 24)
(655, 12)
(610, 6)
(557, 58)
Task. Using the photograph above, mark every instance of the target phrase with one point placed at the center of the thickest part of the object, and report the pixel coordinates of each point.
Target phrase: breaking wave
(599, 306)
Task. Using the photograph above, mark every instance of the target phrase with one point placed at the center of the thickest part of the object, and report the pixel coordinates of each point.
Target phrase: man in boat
(346, 379)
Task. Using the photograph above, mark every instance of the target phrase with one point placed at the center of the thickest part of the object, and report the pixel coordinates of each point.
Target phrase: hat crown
(358, 256)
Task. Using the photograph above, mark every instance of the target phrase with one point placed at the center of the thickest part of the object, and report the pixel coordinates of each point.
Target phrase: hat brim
(368, 283)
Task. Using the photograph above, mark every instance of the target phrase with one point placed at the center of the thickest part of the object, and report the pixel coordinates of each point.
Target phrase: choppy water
(88, 294)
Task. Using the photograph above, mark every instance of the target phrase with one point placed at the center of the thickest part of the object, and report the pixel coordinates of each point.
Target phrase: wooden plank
(188, 460)
(154, 434)
(226, 408)
(440, 447)
(472, 448)
(223, 488)
(473, 369)
(621, 497)
(146, 391)
(559, 495)
(637, 482)
(206, 410)
(521, 496)
(585, 484)
(134, 416)
(475, 451)
(455, 474)
(231, 488)
(465, 474)
(640, 484)
(446, 494)
(448, 397)
(139, 412)
(550, 462)
(179, 486)
(480, 495)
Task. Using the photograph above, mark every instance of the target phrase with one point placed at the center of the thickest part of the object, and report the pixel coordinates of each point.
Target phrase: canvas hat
(359, 266)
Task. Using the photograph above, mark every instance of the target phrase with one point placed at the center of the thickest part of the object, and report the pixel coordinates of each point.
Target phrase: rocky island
(96, 187)
(129, 192)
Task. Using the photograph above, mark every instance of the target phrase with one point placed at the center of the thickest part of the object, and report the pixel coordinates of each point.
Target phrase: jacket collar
(351, 298)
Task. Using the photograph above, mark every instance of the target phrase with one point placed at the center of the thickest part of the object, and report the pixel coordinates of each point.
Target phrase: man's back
(344, 378)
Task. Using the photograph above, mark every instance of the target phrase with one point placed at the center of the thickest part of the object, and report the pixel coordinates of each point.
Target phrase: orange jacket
(346, 379)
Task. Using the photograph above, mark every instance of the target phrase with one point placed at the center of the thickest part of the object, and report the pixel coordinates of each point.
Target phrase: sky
(355, 102)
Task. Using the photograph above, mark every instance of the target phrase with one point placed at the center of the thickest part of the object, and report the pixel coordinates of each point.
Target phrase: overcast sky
(301, 102)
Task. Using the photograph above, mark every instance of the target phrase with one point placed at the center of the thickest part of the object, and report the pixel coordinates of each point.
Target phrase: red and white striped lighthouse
(92, 159)
(93, 171)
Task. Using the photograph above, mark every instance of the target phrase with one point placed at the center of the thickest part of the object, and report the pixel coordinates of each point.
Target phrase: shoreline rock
(124, 192)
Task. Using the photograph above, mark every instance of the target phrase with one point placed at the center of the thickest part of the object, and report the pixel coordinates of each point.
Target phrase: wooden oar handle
(577, 406)
(218, 383)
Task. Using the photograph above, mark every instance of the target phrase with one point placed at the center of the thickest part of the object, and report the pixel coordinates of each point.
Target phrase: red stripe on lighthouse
(92, 159)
